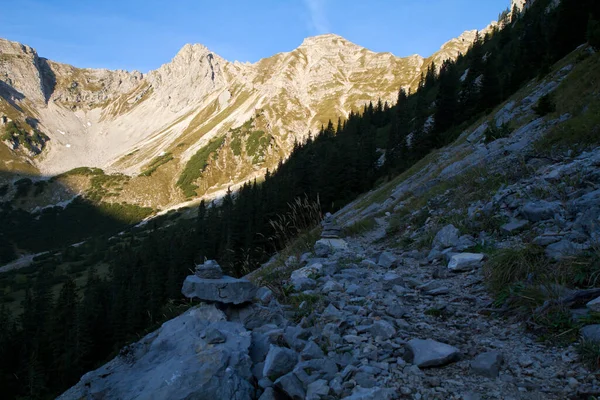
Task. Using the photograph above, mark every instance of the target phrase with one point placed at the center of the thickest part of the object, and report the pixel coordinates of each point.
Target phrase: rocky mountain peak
(190, 52)
(8, 47)
(329, 41)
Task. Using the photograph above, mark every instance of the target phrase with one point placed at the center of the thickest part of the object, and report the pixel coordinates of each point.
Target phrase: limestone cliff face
(153, 124)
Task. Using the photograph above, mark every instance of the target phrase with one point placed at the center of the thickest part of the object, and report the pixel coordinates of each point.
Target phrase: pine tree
(447, 105)
(64, 340)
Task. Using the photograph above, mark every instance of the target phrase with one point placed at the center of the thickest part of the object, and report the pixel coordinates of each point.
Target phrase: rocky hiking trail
(370, 322)
(397, 301)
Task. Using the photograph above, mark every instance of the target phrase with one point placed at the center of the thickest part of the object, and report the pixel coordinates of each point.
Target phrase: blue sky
(143, 34)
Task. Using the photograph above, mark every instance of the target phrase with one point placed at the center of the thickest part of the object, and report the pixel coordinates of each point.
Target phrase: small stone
(383, 329)
(386, 259)
(332, 286)
(487, 364)
(396, 311)
(291, 385)
(264, 295)
(429, 353)
(525, 361)
(390, 279)
(312, 351)
(365, 380)
(446, 237)
(209, 270)
(465, 262)
(573, 383)
(317, 389)
(514, 225)
(331, 313)
(279, 362)
(438, 291)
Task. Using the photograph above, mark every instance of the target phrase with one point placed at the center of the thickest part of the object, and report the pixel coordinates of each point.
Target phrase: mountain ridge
(124, 122)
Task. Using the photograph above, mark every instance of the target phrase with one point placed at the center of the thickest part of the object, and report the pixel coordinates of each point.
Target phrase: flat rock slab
(226, 290)
(429, 353)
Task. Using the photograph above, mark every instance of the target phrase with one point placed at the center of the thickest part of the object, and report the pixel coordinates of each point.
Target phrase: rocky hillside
(472, 275)
(159, 129)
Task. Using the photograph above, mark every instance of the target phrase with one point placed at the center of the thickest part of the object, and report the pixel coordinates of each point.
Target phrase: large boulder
(176, 362)
(429, 353)
(447, 237)
(226, 290)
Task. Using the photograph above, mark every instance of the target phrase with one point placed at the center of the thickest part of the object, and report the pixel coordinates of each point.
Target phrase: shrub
(545, 105)
(494, 133)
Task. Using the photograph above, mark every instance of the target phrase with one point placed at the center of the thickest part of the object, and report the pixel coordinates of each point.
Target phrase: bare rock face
(21, 72)
(178, 362)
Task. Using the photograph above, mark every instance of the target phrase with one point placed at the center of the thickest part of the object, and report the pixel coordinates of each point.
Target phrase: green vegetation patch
(578, 96)
(156, 163)
(256, 145)
(197, 164)
(256, 141)
(35, 141)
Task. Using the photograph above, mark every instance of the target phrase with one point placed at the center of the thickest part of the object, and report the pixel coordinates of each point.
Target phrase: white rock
(465, 261)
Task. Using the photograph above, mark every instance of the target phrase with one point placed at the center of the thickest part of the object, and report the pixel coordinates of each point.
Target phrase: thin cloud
(318, 17)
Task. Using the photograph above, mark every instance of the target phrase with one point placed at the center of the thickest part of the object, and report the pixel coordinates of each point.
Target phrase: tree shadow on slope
(56, 225)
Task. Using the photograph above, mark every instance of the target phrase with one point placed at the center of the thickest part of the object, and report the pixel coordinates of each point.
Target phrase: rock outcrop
(178, 361)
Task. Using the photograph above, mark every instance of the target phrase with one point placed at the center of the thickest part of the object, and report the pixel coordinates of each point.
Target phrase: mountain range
(195, 126)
